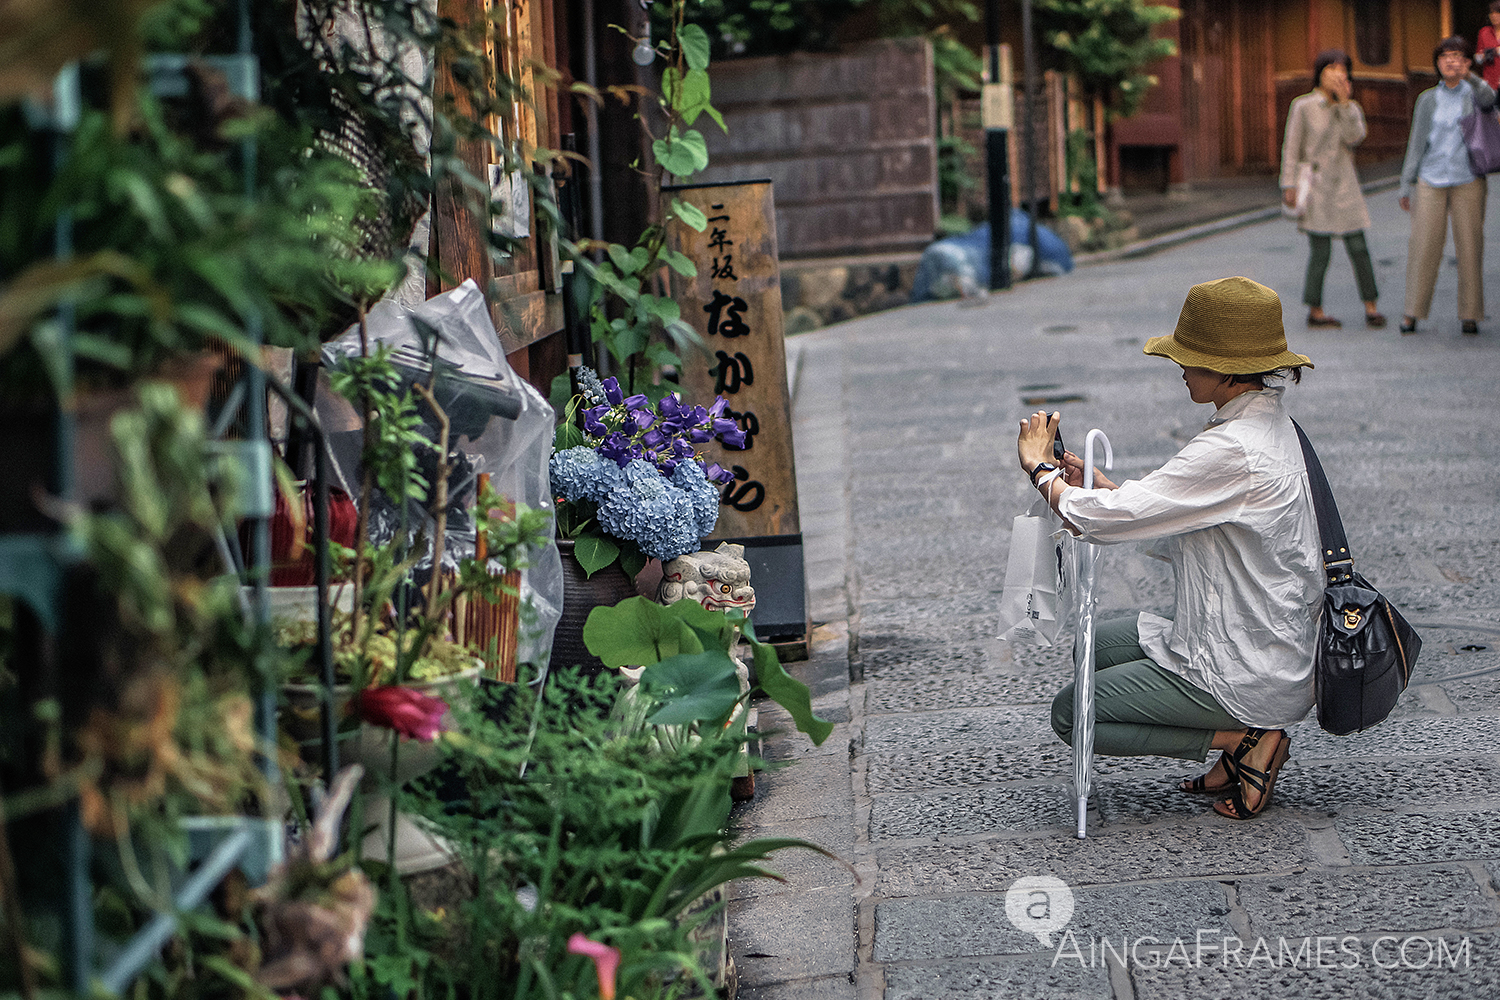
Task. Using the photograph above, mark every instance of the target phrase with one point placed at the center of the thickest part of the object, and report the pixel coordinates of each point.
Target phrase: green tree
(1108, 45)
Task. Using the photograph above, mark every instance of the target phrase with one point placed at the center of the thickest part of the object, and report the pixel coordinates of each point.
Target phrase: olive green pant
(1139, 708)
(1321, 252)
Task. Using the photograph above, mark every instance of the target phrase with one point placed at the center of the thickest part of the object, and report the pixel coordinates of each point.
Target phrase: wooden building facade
(1220, 107)
(546, 45)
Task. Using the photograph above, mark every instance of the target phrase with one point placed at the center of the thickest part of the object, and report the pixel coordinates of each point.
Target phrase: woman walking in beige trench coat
(1322, 129)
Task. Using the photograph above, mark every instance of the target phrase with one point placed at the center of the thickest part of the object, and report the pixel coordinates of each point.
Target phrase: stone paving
(1374, 872)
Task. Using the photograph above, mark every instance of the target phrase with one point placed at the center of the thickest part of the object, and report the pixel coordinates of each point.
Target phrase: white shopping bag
(1038, 578)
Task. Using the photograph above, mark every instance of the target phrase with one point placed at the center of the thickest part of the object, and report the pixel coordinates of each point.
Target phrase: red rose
(408, 712)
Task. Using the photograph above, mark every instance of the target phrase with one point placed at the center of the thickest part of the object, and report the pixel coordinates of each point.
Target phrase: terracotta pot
(582, 594)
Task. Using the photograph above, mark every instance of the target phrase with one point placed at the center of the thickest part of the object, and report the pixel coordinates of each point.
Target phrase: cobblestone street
(1373, 873)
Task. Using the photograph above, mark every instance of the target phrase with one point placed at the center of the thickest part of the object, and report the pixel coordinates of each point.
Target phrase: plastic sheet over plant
(500, 425)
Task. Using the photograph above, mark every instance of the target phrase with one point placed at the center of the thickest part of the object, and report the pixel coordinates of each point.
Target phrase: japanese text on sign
(725, 319)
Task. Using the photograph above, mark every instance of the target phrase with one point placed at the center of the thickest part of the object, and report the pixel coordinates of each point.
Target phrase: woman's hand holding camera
(1034, 446)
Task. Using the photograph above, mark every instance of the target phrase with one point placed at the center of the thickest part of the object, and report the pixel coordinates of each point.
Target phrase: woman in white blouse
(1232, 668)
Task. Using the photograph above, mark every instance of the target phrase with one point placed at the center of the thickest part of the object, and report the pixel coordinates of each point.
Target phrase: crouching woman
(1232, 668)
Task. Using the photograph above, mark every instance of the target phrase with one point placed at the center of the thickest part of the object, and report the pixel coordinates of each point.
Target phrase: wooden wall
(848, 141)
(1230, 117)
(522, 288)
(1243, 62)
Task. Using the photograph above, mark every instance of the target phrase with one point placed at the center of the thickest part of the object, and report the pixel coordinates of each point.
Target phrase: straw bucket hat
(1231, 326)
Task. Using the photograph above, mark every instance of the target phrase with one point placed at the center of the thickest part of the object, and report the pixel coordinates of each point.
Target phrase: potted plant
(629, 486)
(399, 658)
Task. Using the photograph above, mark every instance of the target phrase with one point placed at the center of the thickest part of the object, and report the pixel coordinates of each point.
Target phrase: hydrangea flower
(660, 523)
(582, 473)
(691, 479)
(641, 469)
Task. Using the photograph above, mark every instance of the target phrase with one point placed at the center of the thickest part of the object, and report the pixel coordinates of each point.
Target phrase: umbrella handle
(1088, 456)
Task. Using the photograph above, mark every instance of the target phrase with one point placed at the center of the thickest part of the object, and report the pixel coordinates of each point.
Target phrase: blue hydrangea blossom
(689, 477)
(582, 473)
(639, 468)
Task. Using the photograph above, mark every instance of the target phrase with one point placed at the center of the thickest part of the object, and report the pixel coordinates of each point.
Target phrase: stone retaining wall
(816, 293)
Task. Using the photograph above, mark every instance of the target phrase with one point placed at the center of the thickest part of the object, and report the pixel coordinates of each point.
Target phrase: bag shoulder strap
(1338, 562)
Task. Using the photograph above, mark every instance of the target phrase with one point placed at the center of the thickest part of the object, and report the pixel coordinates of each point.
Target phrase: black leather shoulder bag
(1366, 650)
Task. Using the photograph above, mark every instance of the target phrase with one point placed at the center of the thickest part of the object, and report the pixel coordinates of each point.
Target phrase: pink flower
(606, 960)
(408, 712)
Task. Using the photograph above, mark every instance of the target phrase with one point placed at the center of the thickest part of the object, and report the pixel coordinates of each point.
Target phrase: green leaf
(102, 349)
(695, 95)
(659, 354)
(669, 79)
(684, 336)
(680, 262)
(637, 632)
(695, 687)
(209, 320)
(143, 196)
(628, 261)
(691, 215)
(566, 436)
(558, 395)
(632, 560)
(717, 626)
(788, 692)
(681, 153)
(594, 552)
(700, 810)
(695, 46)
(666, 310)
(628, 340)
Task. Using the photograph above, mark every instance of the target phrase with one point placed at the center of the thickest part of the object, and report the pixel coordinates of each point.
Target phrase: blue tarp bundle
(951, 267)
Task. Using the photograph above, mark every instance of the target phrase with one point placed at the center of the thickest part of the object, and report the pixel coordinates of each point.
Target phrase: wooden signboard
(735, 304)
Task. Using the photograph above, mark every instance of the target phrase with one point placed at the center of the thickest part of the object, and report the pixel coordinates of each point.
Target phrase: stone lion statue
(718, 580)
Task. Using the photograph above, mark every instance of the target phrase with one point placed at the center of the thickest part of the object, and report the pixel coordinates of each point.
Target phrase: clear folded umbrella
(1085, 556)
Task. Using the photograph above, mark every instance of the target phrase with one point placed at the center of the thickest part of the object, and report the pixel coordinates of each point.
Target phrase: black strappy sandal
(1200, 785)
(1262, 781)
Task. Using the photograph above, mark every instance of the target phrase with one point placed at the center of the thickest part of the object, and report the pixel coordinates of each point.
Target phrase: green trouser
(1139, 708)
(1322, 253)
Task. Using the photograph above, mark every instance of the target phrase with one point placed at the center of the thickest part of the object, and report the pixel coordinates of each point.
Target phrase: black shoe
(1471, 327)
(1408, 324)
(1264, 782)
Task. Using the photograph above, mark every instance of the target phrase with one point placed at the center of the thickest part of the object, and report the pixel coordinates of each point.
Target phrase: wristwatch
(1041, 467)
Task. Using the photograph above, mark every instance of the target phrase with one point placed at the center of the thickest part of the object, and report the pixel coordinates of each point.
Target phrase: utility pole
(997, 104)
(1029, 51)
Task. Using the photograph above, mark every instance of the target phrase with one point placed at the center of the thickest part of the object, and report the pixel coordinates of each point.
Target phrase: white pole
(1083, 650)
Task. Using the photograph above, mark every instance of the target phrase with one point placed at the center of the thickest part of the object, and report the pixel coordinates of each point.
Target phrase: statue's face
(723, 594)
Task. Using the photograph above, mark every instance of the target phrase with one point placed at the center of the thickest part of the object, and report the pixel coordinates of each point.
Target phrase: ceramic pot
(582, 594)
(416, 850)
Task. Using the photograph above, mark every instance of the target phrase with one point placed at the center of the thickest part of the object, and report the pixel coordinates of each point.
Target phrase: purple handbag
(1481, 130)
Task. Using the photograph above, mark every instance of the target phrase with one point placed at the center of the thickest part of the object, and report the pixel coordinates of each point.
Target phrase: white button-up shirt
(1235, 515)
